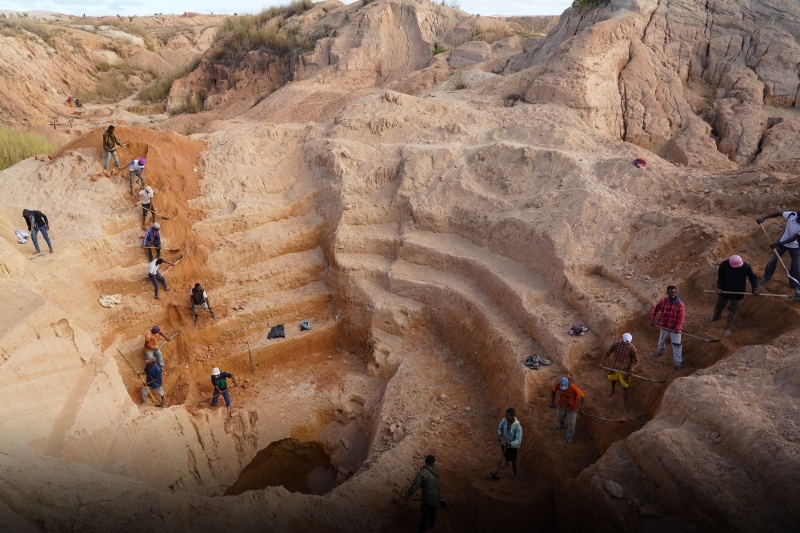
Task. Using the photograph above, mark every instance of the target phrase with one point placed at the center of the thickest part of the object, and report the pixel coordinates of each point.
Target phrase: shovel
(620, 420)
(693, 336)
(169, 339)
(796, 297)
(166, 249)
(152, 398)
(175, 263)
(781, 260)
(634, 375)
(163, 217)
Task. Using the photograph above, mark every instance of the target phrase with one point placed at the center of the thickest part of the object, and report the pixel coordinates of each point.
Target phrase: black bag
(276, 332)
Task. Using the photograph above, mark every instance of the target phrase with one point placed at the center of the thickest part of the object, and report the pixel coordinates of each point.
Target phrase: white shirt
(792, 228)
(146, 196)
(152, 270)
(134, 165)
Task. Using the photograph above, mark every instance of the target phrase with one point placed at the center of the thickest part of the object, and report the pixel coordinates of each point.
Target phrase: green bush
(159, 90)
(438, 49)
(584, 4)
(16, 145)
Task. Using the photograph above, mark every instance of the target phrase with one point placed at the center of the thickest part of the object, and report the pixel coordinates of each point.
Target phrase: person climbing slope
(110, 144)
(673, 313)
(509, 433)
(626, 359)
(37, 221)
(155, 277)
(199, 298)
(732, 276)
(146, 196)
(151, 348)
(568, 397)
(218, 380)
(787, 243)
(136, 170)
(153, 381)
(428, 479)
(152, 240)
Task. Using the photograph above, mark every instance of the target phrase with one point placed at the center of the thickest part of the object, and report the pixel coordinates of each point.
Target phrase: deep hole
(302, 467)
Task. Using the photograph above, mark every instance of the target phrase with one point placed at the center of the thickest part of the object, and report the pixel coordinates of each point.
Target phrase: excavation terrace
(434, 237)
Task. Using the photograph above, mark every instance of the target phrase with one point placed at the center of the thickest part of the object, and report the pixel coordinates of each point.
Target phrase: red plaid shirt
(624, 356)
(672, 314)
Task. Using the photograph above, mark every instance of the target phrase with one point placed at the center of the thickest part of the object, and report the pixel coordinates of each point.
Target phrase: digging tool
(252, 367)
(212, 397)
(796, 297)
(163, 217)
(175, 263)
(169, 339)
(149, 393)
(797, 292)
(166, 249)
(634, 375)
(620, 420)
(693, 336)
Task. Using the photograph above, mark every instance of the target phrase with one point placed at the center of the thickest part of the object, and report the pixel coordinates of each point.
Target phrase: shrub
(17, 145)
(110, 87)
(159, 90)
(459, 81)
(438, 49)
(584, 4)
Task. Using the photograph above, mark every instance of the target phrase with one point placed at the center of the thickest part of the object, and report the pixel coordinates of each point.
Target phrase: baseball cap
(156, 329)
(627, 338)
(563, 383)
(157, 225)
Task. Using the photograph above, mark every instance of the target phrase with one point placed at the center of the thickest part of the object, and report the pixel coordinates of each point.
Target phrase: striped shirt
(624, 356)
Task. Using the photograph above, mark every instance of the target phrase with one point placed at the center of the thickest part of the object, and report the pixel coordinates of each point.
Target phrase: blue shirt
(513, 434)
(219, 381)
(151, 238)
(153, 373)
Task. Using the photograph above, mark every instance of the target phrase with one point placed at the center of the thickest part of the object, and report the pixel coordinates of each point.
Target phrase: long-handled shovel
(152, 398)
(634, 375)
(750, 294)
(781, 260)
(693, 336)
(163, 217)
(175, 263)
(169, 339)
(166, 249)
(620, 420)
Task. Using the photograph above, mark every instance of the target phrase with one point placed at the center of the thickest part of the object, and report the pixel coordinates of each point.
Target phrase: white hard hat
(157, 225)
(215, 371)
(149, 189)
(627, 338)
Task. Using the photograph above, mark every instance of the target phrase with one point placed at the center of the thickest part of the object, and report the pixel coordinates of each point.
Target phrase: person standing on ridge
(787, 243)
(110, 144)
(151, 348)
(509, 433)
(673, 313)
(37, 221)
(428, 479)
(136, 170)
(199, 298)
(732, 276)
(146, 195)
(626, 359)
(155, 277)
(152, 372)
(568, 396)
(152, 239)
(221, 387)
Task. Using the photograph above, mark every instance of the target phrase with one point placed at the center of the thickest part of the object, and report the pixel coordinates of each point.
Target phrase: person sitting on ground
(136, 171)
(221, 386)
(155, 277)
(152, 372)
(732, 276)
(37, 221)
(787, 243)
(509, 433)
(626, 359)
(428, 479)
(146, 196)
(110, 144)
(673, 313)
(78, 102)
(151, 348)
(69, 101)
(568, 396)
(152, 240)
(199, 298)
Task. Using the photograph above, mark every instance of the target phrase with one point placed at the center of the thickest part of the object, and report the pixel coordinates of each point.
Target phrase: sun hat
(215, 371)
(563, 383)
(627, 338)
(735, 261)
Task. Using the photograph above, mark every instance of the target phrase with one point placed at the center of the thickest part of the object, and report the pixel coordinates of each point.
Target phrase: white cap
(215, 371)
(149, 189)
(157, 225)
(626, 338)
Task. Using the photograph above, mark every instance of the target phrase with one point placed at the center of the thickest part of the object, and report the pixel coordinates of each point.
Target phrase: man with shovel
(788, 243)
(151, 348)
(152, 372)
(218, 380)
(568, 396)
(626, 359)
(152, 239)
(509, 433)
(155, 276)
(110, 144)
(732, 276)
(146, 195)
(673, 313)
(199, 299)
(428, 479)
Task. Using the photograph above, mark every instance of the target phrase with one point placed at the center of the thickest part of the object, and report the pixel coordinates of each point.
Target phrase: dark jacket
(735, 279)
(428, 478)
(38, 218)
(110, 142)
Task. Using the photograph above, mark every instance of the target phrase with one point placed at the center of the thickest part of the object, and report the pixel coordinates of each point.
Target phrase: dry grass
(159, 90)
(459, 81)
(16, 145)
(110, 87)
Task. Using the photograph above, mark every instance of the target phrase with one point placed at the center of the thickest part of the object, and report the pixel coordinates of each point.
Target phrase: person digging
(152, 239)
(509, 433)
(136, 171)
(146, 196)
(732, 276)
(568, 396)
(110, 144)
(428, 479)
(151, 348)
(199, 298)
(218, 380)
(672, 312)
(626, 359)
(153, 381)
(787, 243)
(155, 277)
(37, 221)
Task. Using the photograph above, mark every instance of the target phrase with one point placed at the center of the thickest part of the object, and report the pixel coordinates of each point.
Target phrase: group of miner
(152, 242)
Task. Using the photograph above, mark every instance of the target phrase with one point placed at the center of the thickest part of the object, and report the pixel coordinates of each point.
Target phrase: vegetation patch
(159, 90)
(16, 145)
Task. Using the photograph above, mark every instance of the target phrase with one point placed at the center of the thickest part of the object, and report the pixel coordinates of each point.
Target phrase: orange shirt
(568, 399)
(150, 341)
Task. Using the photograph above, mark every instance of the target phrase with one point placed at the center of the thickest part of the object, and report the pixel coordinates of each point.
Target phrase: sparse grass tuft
(438, 49)
(192, 106)
(587, 4)
(459, 81)
(110, 88)
(16, 145)
(159, 90)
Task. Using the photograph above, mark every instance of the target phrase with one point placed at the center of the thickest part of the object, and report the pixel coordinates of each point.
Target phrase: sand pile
(433, 240)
